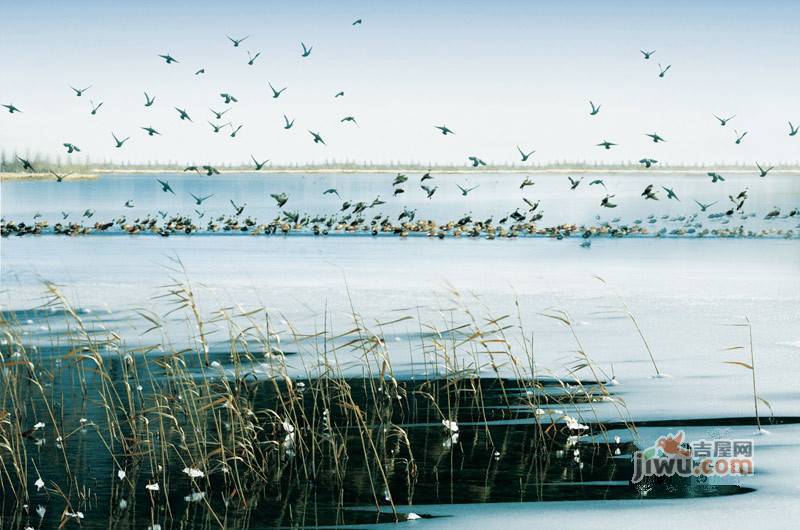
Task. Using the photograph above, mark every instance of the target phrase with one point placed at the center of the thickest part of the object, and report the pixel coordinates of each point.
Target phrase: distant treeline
(10, 163)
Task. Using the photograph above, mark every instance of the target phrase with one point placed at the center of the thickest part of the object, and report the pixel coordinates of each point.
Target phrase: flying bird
(148, 101)
(648, 162)
(151, 131)
(444, 129)
(276, 93)
(129, 203)
(526, 182)
(724, 121)
(236, 42)
(597, 181)
(574, 183)
(476, 161)
(656, 138)
(228, 98)
(317, 138)
(253, 58)
(217, 127)
(348, 118)
(704, 207)
(182, 114)
(95, 108)
(525, 155)
(71, 148)
(715, 177)
(79, 92)
(168, 58)
(606, 144)
(764, 171)
(200, 71)
(238, 208)
(280, 198)
(648, 193)
(258, 164)
(606, 202)
(594, 110)
(12, 109)
(306, 51)
(739, 137)
(25, 164)
(647, 54)
(333, 191)
(119, 142)
(165, 187)
(339, 94)
(663, 70)
(199, 200)
(210, 171)
(288, 124)
(430, 191)
(465, 191)
(218, 114)
(793, 130)
(58, 177)
(399, 179)
(357, 22)
(236, 130)
(670, 193)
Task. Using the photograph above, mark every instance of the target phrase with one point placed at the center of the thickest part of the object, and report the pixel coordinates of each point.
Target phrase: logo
(671, 455)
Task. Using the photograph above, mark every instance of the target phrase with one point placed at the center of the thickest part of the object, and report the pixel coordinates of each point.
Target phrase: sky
(498, 73)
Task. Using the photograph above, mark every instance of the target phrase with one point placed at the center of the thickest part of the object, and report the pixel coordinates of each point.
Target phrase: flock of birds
(352, 215)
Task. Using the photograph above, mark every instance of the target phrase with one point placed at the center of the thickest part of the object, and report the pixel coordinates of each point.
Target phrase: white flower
(288, 427)
(617, 439)
(215, 364)
(39, 484)
(123, 504)
(452, 426)
(76, 515)
(83, 421)
(121, 474)
(412, 517)
(154, 527)
(40, 511)
(193, 472)
(152, 487)
(39, 425)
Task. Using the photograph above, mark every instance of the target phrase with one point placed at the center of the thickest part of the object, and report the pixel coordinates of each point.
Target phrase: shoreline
(47, 176)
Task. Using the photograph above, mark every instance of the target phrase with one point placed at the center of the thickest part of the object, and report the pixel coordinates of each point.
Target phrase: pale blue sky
(498, 73)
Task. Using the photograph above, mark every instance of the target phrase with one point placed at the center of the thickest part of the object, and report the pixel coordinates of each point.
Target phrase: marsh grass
(276, 428)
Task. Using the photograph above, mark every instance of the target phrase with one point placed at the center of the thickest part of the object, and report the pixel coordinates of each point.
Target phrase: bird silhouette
(199, 200)
(739, 137)
(793, 130)
(430, 191)
(182, 114)
(276, 93)
(606, 202)
(525, 155)
(350, 119)
(71, 148)
(526, 182)
(200, 71)
(357, 22)
(151, 131)
(724, 121)
(280, 198)
(252, 58)
(331, 191)
(119, 142)
(306, 51)
(595, 109)
(235, 130)
(317, 138)
(663, 71)
(606, 144)
(25, 164)
(12, 109)
(647, 55)
(168, 59)
(218, 115)
(238, 208)
(704, 207)
(670, 193)
(79, 92)
(228, 98)
(258, 164)
(58, 177)
(715, 177)
(465, 191)
(648, 162)
(574, 183)
(656, 138)
(148, 101)
(288, 124)
(596, 182)
(648, 193)
(476, 161)
(94, 107)
(444, 129)
(764, 171)
(339, 94)
(217, 127)
(165, 187)
(236, 42)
